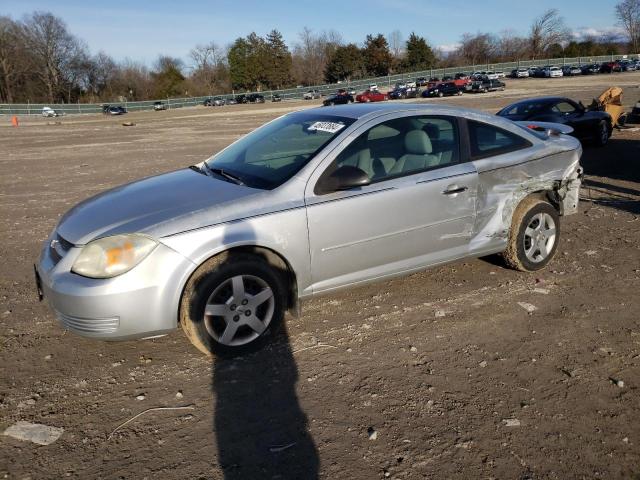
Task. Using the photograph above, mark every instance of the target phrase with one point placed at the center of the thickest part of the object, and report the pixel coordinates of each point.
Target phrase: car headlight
(111, 256)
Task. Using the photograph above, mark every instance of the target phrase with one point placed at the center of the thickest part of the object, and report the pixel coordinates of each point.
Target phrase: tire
(602, 134)
(228, 284)
(331, 104)
(534, 235)
(440, 94)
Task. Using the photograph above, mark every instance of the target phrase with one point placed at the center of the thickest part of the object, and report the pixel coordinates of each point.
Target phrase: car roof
(540, 100)
(372, 110)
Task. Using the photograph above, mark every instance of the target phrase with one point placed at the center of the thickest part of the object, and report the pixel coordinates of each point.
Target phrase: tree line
(41, 61)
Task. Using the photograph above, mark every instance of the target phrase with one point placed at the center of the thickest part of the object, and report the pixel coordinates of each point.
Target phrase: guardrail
(296, 93)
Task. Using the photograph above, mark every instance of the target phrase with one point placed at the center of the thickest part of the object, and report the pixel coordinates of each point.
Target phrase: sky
(140, 30)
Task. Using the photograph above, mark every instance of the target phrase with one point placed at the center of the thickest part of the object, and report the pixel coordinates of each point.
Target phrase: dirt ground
(443, 374)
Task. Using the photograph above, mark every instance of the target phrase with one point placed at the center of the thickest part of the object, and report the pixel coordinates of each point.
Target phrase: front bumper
(142, 302)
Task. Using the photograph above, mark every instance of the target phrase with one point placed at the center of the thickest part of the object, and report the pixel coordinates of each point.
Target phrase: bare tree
(14, 60)
(548, 29)
(54, 48)
(208, 66)
(478, 48)
(510, 46)
(396, 43)
(312, 53)
(628, 13)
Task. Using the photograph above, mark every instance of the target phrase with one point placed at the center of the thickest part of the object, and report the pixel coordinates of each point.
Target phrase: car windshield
(272, 154)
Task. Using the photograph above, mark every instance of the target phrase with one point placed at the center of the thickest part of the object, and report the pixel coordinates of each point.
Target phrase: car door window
(402, 146)
(563, 108)
(487, 140)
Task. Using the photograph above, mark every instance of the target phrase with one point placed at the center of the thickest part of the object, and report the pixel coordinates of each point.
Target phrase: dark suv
(485, 85)
(443, 89)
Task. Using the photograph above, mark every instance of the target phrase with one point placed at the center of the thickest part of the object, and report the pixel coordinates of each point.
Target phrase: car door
(571, 114)
(418, 210)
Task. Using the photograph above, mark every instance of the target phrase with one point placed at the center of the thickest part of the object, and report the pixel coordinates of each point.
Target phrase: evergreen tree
(344, 63)
(419, 54)
(277, 61)
(247, 62)
(376, 55)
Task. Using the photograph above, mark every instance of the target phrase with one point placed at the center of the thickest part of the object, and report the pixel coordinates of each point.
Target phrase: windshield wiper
(229, 176)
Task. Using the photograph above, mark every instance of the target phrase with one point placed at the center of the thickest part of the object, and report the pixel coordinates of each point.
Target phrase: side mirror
(582, 107)
(345, 178)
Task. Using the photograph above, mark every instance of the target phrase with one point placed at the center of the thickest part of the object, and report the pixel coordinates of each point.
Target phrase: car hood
(159, 206)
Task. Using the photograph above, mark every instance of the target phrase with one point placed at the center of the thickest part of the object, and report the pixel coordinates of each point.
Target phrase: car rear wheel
(232, 304)
(534, 235)
(602, 134)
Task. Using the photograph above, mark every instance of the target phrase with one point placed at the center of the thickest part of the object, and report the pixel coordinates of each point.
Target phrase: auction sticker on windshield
(328, 127)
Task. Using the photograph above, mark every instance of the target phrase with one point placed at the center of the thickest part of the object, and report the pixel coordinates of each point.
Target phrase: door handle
(454, 189)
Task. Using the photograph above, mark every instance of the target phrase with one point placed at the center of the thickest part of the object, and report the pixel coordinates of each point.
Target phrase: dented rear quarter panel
(551, 166)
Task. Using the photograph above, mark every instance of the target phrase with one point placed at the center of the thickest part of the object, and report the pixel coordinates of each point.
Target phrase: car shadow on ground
(619, 160)
(260, 428)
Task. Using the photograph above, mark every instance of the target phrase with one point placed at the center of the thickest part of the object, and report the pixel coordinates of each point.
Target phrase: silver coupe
(311, 202)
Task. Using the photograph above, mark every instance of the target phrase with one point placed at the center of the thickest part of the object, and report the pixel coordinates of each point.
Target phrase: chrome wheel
(239, 310)
(539, 237)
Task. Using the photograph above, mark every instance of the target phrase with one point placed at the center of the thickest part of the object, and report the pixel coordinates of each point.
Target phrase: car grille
(88, 325)
(58, 248)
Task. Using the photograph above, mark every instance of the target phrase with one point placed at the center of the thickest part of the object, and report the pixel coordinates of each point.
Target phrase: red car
(371, 96)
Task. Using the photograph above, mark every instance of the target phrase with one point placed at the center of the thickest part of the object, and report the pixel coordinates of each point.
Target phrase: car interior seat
(418, 153)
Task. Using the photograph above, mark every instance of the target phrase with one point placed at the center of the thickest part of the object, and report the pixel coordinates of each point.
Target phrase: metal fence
(296, 93)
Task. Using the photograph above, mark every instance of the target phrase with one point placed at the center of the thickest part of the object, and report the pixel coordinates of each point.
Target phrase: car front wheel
(232, 304)
(534, 235)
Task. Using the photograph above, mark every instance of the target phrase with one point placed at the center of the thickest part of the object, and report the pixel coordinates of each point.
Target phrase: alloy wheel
(539, 237)
(239, 310)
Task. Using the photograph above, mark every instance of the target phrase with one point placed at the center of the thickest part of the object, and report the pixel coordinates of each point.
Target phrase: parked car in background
(114, 110)
(485, 85)
(401, 93)
(373, 87)
(50, 112)
(588, 125)
(342, 97)
(224, 248)
(422, 81)
(553, 72)
(157, 106)
(627, 66)
(255, 98)
(231, 101)
(371, 96)
(311, 95)
(535, 72)
(611, 67)
(501, 74)
(522, 72)
(411, 85)
(461, 76)
(591, 69)
(443, 89)
(571, 70)
(276, 97)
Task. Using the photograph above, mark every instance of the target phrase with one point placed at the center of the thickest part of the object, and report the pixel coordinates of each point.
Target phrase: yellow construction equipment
(610, 101)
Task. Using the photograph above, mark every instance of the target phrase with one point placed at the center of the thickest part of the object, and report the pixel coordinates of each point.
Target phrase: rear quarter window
(488, 140)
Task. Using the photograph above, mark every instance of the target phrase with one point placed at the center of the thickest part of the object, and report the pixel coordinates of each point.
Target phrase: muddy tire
(534, 235)
(233, 304)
